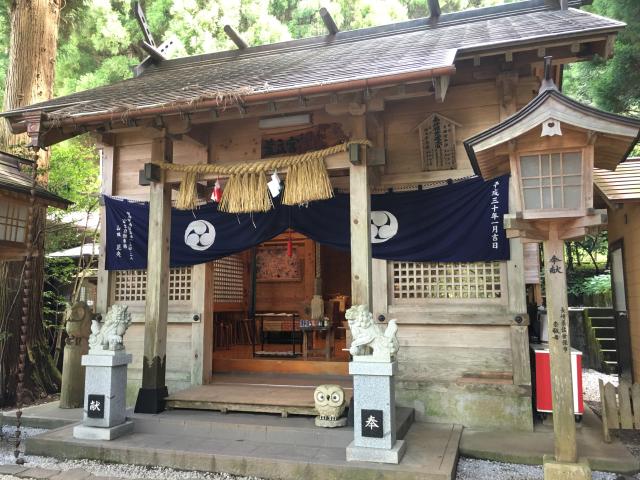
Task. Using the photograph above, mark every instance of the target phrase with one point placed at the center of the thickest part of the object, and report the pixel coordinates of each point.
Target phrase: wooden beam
(328, 21)
(564, 426)
(154, 390)
(360, 220)
(235, 37)
(609, 46)
(434, 9)
(155, 54)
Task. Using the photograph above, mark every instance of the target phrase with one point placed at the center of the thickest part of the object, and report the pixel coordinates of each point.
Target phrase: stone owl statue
(330, 404)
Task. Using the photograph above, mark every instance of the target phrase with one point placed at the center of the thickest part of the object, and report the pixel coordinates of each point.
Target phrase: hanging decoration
(274, 185)
(216, 194)
(246, 190)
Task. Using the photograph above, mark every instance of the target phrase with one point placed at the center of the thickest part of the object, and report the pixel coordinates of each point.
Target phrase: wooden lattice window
(438, 143)
(131, 285)
(13, 220)
(552, 180)
(456, 280)
(228, 280)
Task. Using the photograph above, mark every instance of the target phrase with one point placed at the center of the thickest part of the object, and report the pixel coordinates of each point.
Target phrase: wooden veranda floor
(266, 393)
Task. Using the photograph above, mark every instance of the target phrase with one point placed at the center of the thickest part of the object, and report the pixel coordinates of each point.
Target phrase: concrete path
(529, 447)
(258, 445)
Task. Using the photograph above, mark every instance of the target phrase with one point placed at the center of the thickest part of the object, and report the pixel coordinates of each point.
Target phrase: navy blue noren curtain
(461, 222)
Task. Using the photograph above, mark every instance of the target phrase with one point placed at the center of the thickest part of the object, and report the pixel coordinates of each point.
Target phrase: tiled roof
(621, 185)
(390, 50)
(13, 180)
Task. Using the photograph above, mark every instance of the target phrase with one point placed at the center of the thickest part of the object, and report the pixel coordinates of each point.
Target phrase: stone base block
(378, 455)
(554, 470)
(102, 433)
(340, 422)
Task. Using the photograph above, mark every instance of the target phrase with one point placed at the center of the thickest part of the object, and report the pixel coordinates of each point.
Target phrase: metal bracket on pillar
(150, 173)
(354, 154)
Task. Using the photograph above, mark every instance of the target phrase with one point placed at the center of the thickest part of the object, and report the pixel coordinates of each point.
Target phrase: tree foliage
(613, 85)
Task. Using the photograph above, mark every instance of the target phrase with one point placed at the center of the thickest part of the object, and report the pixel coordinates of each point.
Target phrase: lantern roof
(17, 182)
(615, 136)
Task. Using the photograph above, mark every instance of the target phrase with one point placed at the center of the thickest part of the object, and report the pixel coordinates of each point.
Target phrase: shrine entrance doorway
(279, 309)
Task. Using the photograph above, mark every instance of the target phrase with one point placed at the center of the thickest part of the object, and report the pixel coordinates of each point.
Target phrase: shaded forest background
(98, 44)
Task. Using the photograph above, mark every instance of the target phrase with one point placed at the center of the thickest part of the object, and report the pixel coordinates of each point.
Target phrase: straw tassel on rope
(307, 182)
(246, 190)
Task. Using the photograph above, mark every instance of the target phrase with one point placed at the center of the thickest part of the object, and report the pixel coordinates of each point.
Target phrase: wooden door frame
(625, 353)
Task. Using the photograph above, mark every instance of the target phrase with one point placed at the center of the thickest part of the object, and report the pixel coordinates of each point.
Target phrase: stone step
(602, 321)
(608, 343)
(432, 452)
(255, 427)
(609, 355)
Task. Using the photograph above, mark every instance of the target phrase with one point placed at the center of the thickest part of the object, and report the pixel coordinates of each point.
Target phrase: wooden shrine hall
(363, 113)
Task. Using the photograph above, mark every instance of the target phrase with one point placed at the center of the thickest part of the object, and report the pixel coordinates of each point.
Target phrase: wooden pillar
(202, 329)
(103, 293)
(564, 426)
(360, 215)
(154, 390)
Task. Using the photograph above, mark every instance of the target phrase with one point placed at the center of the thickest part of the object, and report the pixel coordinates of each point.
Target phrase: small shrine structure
(550, 148)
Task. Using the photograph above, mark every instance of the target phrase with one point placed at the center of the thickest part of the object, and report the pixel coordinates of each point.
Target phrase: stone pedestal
(105, 396)
(374, 417)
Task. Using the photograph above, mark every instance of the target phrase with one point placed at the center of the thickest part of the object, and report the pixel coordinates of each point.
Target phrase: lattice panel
(228, 280)
(425, 280)
(438, 142)
(131, 285)
(13, 221)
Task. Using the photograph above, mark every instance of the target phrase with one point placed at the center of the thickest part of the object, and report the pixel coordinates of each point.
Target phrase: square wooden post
(154, 390)
(360, 217)
(564, 426)
(103, 293)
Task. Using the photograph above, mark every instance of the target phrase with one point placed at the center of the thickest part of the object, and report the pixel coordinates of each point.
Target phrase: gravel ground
(471, 469)
(97, 468)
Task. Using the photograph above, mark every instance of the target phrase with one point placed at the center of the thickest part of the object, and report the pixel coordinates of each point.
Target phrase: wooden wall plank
(466, 336)
(452, 363)
(635, 400)
(520, 355)
(613, 415)
(624, 399)
(605, 412)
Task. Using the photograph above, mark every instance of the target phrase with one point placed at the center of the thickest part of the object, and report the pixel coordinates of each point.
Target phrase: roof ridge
(350, 36)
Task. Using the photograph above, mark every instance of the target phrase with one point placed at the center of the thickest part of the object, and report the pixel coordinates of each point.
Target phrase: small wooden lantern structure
(550, 147)
(15, 192)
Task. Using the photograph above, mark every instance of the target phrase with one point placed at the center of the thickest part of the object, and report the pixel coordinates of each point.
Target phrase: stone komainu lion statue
(368, 335)
(108, 335)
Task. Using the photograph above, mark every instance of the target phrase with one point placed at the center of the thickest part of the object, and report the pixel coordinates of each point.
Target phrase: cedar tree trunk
(30, 79)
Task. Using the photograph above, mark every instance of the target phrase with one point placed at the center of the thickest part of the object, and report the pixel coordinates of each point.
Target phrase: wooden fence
(620, 407)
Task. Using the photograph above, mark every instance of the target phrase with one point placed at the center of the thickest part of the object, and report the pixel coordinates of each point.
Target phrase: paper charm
(274, 185)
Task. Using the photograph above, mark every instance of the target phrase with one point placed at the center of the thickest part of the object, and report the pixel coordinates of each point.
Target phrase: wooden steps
(604, 328)
(275, 365)
(282, 394)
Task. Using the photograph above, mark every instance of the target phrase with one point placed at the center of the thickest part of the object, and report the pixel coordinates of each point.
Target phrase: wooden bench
(620, 407)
